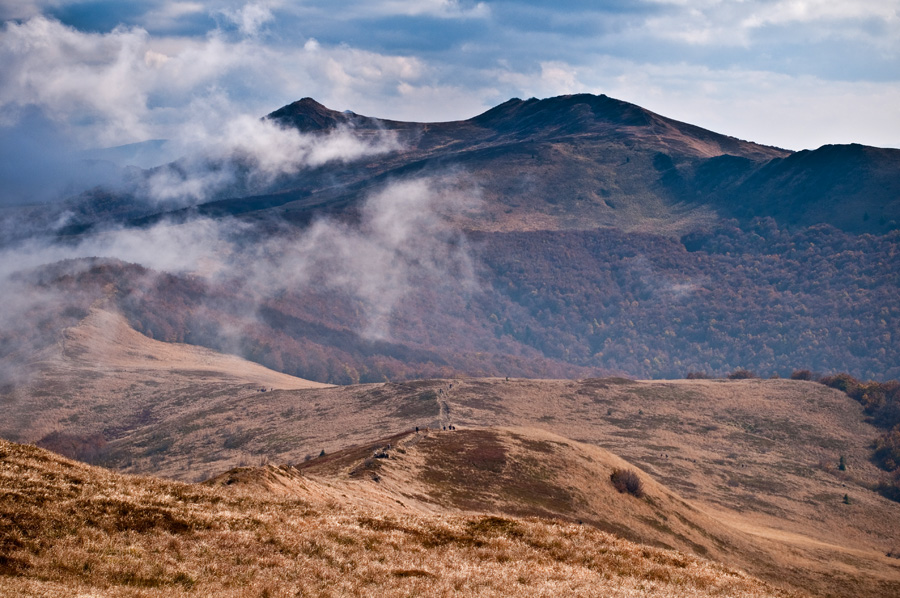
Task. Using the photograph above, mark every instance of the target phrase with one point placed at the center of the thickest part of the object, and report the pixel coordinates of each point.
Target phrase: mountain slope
(762, 455)
(530, 472)
(104, 377)
(851, 187)
(594, 238)
(67, 528)
(583, 157)
(563, 162)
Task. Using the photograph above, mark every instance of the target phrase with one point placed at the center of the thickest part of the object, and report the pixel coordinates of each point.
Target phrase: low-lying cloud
(406, 238)
(252, 153)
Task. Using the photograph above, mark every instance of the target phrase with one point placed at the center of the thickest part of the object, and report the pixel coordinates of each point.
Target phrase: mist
(405, 240)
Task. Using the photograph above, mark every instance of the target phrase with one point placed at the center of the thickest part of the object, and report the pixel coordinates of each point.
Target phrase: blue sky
(792, 73)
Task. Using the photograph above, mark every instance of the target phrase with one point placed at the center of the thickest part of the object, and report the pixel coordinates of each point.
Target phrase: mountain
(569, 162)
(590, 161)
(571, 236)
(436, 343)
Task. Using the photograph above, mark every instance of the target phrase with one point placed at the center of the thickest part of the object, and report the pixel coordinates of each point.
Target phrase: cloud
(444, 9)
(711, 22)
(405, 240)
(252, 153)
(94, 90)
(249, 18)
(161, 69)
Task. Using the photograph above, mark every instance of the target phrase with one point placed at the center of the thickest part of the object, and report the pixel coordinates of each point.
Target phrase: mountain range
(451, 357)
(567, 236)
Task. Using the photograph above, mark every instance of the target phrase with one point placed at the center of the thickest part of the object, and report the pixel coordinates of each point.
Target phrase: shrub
(887, 449)
(801, 375)
(842, 382)
(741, 375)
(627, 480)
(697, 376)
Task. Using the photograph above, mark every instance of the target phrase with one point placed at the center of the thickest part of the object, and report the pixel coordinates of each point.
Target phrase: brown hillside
(528, 472)
(758, 455)
(68, 529)
(103, 375)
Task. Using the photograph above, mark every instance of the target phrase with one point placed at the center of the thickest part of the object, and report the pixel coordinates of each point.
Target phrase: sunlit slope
(761, 455)
(529, 472)
(103, 374)
(68, 529)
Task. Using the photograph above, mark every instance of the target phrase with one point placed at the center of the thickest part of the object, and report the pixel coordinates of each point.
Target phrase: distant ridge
(578, 114)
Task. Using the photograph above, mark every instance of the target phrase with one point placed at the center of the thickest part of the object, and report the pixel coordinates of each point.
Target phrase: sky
(77, 76)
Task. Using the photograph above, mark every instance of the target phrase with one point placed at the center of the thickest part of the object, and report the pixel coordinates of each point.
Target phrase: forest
(544, 304)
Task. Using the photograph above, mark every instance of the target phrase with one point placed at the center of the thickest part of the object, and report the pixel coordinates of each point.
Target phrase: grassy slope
(760, 455)
(528, 472)
(67, 529)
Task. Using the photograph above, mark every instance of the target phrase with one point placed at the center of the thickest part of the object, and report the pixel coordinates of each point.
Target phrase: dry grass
(71, 530)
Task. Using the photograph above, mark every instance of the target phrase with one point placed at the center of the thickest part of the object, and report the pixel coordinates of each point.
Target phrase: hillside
(529, 472)
(67, 528)
(758, 456)
(103, 377)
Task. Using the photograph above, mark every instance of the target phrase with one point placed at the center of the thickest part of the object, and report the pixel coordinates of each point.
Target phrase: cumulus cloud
(249, 18)
(97, 90)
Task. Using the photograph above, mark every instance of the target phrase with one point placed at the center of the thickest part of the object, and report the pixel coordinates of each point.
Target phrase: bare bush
(741, 375)
(627, 480)
(801, 375)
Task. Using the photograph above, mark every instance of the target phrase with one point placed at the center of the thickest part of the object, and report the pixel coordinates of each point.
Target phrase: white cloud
(249, 18)
(75, 76)
(553, 78)
(442, 9)
(124, 86)
(735, 23)
(169, 14)
(252, 153)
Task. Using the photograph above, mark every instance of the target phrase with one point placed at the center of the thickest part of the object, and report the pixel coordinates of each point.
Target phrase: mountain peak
(308, 115)
(571, 113)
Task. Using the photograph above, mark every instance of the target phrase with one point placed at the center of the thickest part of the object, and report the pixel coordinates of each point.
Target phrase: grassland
(68, 529)
(739, 472)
